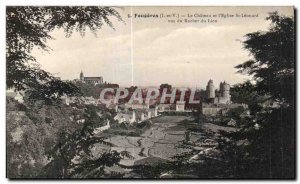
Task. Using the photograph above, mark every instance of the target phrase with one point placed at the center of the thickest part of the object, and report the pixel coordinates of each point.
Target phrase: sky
(151, 51)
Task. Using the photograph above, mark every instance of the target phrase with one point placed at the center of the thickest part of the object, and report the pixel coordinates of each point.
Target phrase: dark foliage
(72, 156)
(271, 147)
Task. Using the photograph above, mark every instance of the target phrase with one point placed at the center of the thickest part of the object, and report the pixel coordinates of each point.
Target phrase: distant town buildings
(91, 80)
(137, 105)
(138, 114)
(126, 116)
(86, 100)
(219, 109)
(217, 102)
(180, 106)
(102, 128)
(165, 107)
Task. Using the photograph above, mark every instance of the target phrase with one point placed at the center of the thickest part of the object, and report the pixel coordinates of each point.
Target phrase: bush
(144, 124)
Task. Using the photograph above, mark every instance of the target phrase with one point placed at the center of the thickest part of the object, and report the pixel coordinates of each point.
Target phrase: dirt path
(217, 128)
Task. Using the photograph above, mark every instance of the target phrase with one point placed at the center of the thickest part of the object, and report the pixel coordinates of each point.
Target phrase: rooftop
(92, 78)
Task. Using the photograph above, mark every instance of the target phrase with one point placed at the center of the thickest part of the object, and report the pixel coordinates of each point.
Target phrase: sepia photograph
(150, 92)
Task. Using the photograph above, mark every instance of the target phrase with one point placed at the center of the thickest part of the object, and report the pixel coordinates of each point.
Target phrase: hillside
(32, 131)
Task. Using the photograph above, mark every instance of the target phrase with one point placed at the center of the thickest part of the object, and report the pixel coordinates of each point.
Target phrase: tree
(271, 147)
(29, 27)
(72, 156)
(246, 93)
(162, 86)
(243, 93)
(273, 63)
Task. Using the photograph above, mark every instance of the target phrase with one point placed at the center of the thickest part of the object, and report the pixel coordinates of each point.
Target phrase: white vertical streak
(114, 63)
(131, 37)
(131, 54)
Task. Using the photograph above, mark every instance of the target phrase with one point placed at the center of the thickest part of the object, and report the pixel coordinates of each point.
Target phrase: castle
(223, 96)
(91, 80)
(220, 103)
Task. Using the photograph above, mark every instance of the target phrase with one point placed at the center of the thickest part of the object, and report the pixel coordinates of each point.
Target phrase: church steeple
(81, 75)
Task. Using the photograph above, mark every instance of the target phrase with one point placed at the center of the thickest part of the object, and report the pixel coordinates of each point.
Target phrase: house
(113, 106)
(102, 128)
(89, 100)
(211, 109)
(68, 100)
(165, 107)
(153, 112)
(79, 121)
(136, 115)
(147, 113)
(180, 106)
(127, 116)
(141, 115)
(137, 105)
(82, 100)
(231, 122)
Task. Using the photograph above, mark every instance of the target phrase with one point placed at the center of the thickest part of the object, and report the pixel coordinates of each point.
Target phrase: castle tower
(225, 92)
(81, 76)
(221, 89)
(210, 89)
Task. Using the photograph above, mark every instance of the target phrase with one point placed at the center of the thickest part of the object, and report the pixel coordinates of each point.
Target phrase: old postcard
(150, 92)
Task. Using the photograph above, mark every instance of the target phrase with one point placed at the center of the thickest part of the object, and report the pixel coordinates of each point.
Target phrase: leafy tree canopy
(271, 148)
(29, 27)
(273, 63)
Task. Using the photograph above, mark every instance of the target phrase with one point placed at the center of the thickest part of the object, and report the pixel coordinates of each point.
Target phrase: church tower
(81, 76)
